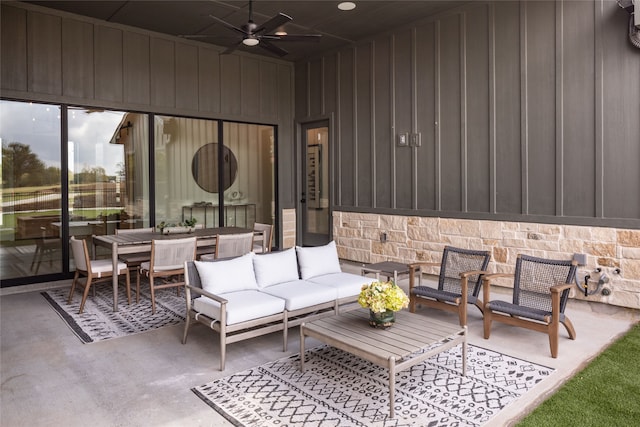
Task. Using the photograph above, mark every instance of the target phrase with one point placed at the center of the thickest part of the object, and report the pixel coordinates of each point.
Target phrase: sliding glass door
(31, 190)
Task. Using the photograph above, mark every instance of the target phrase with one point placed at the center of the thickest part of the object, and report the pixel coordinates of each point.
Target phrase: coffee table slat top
(409, 334)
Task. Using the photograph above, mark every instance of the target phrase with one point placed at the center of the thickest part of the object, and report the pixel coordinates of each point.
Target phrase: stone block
(500, 255)
(549, 230)
(630, 269)
(605, 235)
(393, 222)
(577, 232)
(600, 249)
(424, 234)
(629, 238)
(490, 229)
(630, 253)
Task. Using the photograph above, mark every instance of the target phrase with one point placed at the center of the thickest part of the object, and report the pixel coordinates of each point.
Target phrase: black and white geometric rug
(339, 389)
(98, 321)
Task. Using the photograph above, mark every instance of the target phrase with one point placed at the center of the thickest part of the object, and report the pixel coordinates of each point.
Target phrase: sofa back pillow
(318, 260)
(219, 277)
(275, 267)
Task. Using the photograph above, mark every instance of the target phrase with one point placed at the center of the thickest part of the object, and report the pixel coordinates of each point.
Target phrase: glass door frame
(304, 236)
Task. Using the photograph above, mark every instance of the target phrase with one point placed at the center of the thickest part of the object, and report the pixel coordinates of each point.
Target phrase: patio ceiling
(338, 28)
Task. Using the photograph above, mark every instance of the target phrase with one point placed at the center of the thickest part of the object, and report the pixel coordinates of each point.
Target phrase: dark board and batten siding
(528, 111)
(51, 56)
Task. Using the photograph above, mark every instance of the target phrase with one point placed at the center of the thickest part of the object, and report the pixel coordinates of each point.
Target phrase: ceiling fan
(254, 34)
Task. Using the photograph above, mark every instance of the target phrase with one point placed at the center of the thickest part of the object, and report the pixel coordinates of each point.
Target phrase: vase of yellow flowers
(382, 299)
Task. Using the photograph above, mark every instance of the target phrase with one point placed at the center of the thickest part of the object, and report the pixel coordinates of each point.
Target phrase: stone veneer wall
(411, 239)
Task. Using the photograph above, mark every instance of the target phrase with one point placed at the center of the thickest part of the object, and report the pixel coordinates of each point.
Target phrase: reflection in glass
(31, 191)
(103, 195)
(204, 167)
(186, 177)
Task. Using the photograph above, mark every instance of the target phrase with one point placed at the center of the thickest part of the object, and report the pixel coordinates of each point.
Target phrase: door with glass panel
(314, 201)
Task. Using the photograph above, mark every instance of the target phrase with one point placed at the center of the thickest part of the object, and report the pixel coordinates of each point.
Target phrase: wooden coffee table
(397, 348)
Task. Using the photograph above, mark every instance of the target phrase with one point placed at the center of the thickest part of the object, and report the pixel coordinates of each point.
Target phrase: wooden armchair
(459, 282)
(540, 293)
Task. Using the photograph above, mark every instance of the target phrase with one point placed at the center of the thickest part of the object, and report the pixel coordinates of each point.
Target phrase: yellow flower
(383, 296)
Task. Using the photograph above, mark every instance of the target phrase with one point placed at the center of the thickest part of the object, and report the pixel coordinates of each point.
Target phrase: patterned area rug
(339, 389)
(98, 321)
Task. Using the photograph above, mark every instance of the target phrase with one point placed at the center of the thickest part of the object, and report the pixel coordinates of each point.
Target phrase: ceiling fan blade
(231, 48)
(272, 48)
(293, 37)
(226, 24)
(273, 23)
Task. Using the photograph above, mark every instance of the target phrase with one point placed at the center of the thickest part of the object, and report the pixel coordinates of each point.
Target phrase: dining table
(134, 243)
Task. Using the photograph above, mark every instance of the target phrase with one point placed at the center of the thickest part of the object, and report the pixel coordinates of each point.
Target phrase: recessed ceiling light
(280, 33)
(346, 5)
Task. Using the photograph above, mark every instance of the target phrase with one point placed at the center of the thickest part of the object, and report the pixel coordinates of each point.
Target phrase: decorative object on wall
(314, 175)
(634, 20)
(204, 168)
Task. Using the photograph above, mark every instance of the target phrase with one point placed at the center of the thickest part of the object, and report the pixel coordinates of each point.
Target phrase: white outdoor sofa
(253, 295)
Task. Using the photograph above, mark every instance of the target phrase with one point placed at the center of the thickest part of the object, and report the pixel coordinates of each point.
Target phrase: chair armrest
(560, 287)
(473, 273)
(492, 276)
(202, 292)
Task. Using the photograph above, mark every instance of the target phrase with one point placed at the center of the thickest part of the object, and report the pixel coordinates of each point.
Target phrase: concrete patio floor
(48, 377)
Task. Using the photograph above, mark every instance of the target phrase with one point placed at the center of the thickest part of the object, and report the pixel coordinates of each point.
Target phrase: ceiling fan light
(346, 5)
(250, 41)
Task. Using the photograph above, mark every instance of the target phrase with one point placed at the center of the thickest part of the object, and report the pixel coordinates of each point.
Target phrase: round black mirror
(204, 167)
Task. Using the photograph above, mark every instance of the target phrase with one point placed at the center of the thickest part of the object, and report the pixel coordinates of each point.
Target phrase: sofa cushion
(318, 260)
(219, 277)
(345, 284)
(275, 267)
(299, 294)
(241, 306)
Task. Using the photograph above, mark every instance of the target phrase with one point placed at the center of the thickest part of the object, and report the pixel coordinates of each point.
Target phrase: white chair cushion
(241, 306)
(319, 260)
(275, 267)
(219, 277)
(100, 267)
(301, 294)
(345, 284)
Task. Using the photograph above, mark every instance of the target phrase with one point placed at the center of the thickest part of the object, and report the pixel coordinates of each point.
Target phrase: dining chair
(94, 270)
(540, 293)
(134, 260)
(45, 246)
(267, 237)
(459, 282)
(231, 245)
(167, 262)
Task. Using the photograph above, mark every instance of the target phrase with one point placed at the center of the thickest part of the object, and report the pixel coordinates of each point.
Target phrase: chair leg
(187, 325)
(128, 281)
(462, 314)
(153, 295)
(73, 286)
(412, 304)
(487, 322)
(553, 339)
(138, 286)
(87, 286)
(569, 327)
